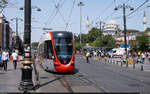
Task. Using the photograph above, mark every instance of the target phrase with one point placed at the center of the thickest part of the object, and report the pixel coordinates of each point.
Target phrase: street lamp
(80, 4)
(32, 7)
(45, 29)
(124, 20)
(26, 81)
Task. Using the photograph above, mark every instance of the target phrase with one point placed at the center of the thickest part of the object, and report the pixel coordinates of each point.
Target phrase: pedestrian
(143, 58)
(87, 56)
(1, 63)
(149, 57)
(14, 57)
(5, 58)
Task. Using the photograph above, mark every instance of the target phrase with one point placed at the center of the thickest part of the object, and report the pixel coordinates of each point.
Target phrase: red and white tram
(56, 51)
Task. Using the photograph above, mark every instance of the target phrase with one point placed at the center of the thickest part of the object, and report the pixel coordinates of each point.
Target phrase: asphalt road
(114, 78)
(95, 76)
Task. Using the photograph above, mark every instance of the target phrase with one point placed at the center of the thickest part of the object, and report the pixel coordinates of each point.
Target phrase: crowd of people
(7, 56)
(139, 56)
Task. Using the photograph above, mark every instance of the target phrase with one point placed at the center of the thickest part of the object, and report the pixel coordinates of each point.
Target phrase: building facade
(130, 36)
(5, 33)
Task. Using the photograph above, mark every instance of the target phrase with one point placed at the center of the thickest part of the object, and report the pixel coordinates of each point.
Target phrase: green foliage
(34, 44)
(95, 39)
(108, 41)
(84, 38)
(147, 29)
(96, 43)
(93, 34)
(77, 38)
(135, 48)
(143, 41)
(77, 45)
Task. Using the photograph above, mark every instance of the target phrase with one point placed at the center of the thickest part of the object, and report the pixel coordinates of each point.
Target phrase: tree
(76, 38)
(143, 42)
(93, 34)
(34, 45)
(96, 43)
(147, 29)
(108, 41)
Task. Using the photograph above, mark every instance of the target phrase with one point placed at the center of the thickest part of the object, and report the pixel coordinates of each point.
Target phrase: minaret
(144, 21)
(87, 24)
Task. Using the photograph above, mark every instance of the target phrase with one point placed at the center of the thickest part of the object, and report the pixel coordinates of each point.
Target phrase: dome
(111, 25)
(112, 22)
(1, 15)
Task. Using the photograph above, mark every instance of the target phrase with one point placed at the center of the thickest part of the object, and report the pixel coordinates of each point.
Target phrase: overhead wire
(108, 7)
(133, 11)
(59, 6)
(70, 14)
(138, 7)
(50, 16)
(114, 12)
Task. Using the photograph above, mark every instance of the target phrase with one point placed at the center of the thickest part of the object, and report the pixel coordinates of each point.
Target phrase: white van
(117, 52)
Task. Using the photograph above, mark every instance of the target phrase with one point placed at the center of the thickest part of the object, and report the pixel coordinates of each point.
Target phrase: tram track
(62, 79)
(64, 83)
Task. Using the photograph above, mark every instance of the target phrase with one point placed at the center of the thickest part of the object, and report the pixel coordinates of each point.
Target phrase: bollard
(110, 61)
(105, 60)
(133, 65)
(121, 63)
(113, 61)
(141, 67)
(126, 63)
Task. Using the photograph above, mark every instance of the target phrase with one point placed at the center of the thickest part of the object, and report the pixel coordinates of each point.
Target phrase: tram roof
(48, 37)
(44, 38)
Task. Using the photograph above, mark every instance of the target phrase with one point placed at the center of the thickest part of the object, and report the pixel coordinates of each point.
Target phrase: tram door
(48, 54)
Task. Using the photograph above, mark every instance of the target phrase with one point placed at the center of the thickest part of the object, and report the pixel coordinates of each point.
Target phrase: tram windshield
(63, 46)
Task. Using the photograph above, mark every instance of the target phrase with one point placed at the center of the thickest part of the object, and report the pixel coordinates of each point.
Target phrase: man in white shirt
(5, 58)
(14, 56)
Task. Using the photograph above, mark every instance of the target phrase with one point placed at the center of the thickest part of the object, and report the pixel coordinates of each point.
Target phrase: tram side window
(48, 51)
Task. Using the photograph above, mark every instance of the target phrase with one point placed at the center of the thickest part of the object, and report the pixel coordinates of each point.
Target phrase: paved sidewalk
(10, 79)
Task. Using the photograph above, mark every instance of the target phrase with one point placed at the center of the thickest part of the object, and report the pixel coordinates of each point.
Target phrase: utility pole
(17, 36)
(124, 20)
(80, 4)
(26, 81)
(100, 29)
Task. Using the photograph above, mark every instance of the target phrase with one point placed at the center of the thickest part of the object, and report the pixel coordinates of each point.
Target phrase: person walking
(87, 56)
(14, 57)
(149, 57)
(1, 63)
(143, 57)
(5, 58)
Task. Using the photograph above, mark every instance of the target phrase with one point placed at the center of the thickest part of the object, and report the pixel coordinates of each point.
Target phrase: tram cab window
(48, 51)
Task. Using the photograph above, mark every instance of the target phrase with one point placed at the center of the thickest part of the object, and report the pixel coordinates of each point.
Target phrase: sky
(69, 13)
